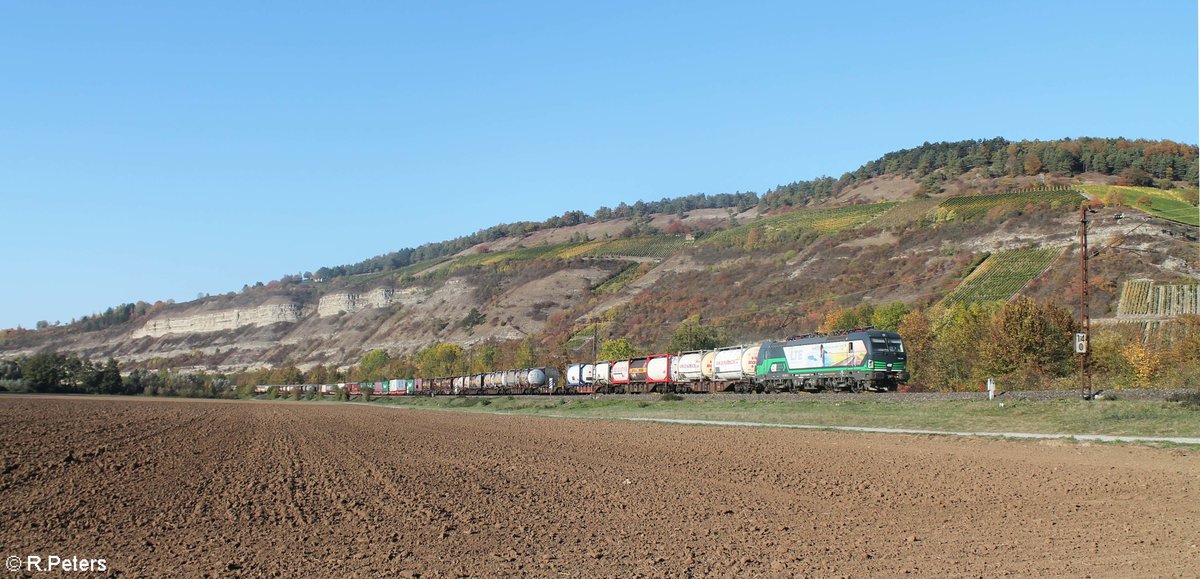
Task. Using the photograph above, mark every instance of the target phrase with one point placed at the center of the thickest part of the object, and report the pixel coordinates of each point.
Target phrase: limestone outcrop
(222, 320)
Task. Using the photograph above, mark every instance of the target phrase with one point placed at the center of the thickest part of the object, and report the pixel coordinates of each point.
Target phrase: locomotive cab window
(881, 344)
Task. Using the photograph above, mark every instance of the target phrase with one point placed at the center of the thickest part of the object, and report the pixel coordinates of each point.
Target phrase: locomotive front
(887, 361)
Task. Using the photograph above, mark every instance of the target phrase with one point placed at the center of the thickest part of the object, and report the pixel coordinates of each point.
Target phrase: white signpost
(1081, 343)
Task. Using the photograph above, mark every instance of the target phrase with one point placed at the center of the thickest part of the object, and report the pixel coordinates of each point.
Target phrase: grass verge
(1112, 417)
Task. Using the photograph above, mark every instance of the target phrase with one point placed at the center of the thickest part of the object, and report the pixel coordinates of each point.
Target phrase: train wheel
(857, 387)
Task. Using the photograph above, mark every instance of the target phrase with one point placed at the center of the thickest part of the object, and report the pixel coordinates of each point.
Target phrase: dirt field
(219, 488)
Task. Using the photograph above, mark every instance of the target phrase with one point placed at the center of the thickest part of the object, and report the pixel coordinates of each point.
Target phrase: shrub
(1144, 360)
(12, 385)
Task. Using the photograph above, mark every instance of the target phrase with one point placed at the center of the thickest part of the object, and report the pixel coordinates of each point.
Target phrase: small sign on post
(1081, 343)
(991, 388)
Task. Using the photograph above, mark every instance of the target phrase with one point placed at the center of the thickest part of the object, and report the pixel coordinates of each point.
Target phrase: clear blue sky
(156, 150)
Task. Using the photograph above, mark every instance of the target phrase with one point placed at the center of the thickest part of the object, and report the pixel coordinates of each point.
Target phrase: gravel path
(1029, 435)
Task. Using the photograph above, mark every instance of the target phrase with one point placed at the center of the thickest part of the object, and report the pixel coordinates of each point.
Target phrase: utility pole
(1083, 345)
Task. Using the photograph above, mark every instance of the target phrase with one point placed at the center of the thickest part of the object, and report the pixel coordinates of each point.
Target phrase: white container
(658, 369)
(688, 367)
(603, 370)
(706, 364)
(727, 365)
(750, 360)
(537, 377)
(620, 372)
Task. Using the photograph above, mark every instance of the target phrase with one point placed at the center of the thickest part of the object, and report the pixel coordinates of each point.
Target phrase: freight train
(856, 360)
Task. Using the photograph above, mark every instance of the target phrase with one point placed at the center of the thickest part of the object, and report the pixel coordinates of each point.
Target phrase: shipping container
(510, 379)
(575, 375)
(727, 365)
(620, 372)
(637, 370)
(536, 377)
(658, 369)
(689, 368)
(587, 374)
(603, 373)
(706, 364)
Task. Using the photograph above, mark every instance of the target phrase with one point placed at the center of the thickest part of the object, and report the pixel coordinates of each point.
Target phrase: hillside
(921, 227)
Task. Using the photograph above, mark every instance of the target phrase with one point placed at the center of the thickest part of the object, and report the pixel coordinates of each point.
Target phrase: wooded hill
(940, 225)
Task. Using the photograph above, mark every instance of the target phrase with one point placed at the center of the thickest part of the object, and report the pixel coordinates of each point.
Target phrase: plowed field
(225, 488)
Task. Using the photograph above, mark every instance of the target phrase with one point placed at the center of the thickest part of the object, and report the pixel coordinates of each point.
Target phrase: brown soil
(193, 488)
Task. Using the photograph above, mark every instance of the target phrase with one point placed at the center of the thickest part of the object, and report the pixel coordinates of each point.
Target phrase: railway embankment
(1133, 413)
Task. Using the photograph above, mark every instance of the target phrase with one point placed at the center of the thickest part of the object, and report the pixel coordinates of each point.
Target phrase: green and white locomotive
(857, 360)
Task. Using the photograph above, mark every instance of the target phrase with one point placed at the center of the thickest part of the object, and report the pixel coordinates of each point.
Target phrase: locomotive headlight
(889, 365)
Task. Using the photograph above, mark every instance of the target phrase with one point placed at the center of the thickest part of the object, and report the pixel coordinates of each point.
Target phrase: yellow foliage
(1145, 362)
(831, 322)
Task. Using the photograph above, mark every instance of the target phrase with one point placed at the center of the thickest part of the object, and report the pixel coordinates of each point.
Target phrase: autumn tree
(372, 364)
(1145, 360)
(526, 355)
(677, 228)
(915, 332)
(953, 360)
(285, 375)
(754, 238)
(849, 318)
(440, 359)
(1033, 164)
(617, 349)
(888, 317)
(1026, 336)
(692, 334)
(1136, 177)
